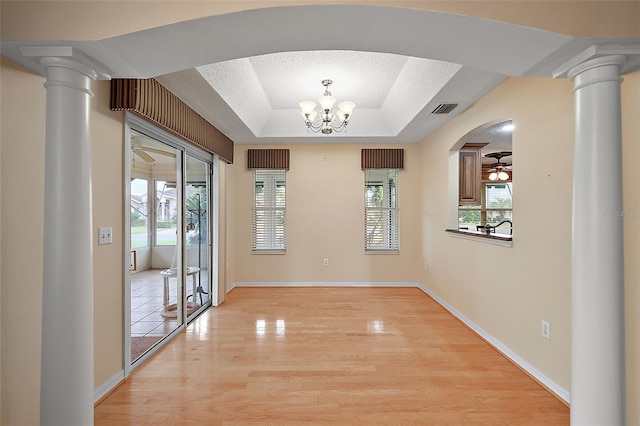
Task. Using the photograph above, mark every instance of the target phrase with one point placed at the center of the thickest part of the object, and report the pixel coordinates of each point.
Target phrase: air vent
(444, 108)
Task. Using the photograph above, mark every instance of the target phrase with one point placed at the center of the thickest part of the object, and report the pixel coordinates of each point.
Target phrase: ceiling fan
(143, 151)
(498, 170)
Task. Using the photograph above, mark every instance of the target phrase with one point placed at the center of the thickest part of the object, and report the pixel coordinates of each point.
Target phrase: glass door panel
(156, 296)
(197, 232)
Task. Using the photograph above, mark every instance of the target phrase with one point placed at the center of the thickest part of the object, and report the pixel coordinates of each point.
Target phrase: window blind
(382, 230)
(269, 211)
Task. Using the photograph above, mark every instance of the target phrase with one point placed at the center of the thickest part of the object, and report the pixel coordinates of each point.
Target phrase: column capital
(627, 57)
(39, 58)
(68, 73)
(597, 70)
(61, 62)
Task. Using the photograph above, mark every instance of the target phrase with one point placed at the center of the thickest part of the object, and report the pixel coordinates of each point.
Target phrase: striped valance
(152, 101)
(382, 158)
(268, 159)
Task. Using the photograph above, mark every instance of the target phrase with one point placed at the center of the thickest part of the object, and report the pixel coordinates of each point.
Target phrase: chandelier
(327, 121)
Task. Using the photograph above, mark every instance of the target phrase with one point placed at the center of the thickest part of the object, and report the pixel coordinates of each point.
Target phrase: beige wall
(508, 291)
(325, 211)
(107, 133)
(22, 167)
(230, 238)
(631, 183)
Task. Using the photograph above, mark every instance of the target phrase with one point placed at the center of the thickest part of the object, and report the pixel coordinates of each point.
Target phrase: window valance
(155, 103)
(379, 158)
(268, 159)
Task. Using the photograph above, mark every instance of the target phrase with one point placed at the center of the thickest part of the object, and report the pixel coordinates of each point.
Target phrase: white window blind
(382, 230)
(269, 211)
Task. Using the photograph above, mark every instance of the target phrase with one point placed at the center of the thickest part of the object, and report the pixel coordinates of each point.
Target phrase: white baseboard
(107, 386)
(552, 386)
(321, 284)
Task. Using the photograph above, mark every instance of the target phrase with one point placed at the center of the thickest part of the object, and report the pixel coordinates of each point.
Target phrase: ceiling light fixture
(499, 169)
(499, 175)
(328, 120)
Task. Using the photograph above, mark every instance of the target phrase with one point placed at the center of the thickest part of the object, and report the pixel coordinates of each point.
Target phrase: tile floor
(146, 304)
(148, 326)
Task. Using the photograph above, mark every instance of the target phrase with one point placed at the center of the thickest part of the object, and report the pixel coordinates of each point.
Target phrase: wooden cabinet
(470, 174)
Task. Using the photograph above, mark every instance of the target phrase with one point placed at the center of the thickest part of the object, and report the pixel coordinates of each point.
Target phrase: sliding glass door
(198, 234)
(155, 297)
(170, 237)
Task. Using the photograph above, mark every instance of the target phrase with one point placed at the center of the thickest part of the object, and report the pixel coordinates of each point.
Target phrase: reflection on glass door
(156, 299)
(197, 232)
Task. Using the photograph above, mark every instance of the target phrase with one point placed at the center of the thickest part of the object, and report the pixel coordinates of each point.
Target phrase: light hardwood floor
(339, 356)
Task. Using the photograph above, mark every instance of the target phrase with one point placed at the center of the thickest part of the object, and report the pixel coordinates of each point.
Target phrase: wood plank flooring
(338, 356)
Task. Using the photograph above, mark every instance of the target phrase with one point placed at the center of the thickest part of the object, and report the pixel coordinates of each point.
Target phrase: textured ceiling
(289, 77)
(389, 90)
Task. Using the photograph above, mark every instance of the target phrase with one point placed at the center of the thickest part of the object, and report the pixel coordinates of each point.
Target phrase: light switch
(104, 235)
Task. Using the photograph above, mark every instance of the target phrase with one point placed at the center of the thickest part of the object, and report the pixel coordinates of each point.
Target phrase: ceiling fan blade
(146, 157)
(158, 151)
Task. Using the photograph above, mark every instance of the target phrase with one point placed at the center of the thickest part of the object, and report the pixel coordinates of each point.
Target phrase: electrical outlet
(546, 329)
(325, 262)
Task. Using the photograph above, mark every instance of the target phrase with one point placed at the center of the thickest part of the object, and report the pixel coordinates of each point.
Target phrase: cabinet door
(470, 176)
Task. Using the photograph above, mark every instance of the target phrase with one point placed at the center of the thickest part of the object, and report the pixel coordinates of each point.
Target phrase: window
(269, 210)
(496, 207)
(139, 213)
(381, 211)
(166, 213)
(196, 211)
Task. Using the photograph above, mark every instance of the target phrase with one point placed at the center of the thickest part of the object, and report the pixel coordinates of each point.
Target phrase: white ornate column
(597, 288)
(66, 387)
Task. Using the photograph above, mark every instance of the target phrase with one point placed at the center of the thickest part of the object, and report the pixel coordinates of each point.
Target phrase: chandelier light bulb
(326, 102)
(493, 176)
(503, 176)
(347, 107)
(307, 107)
